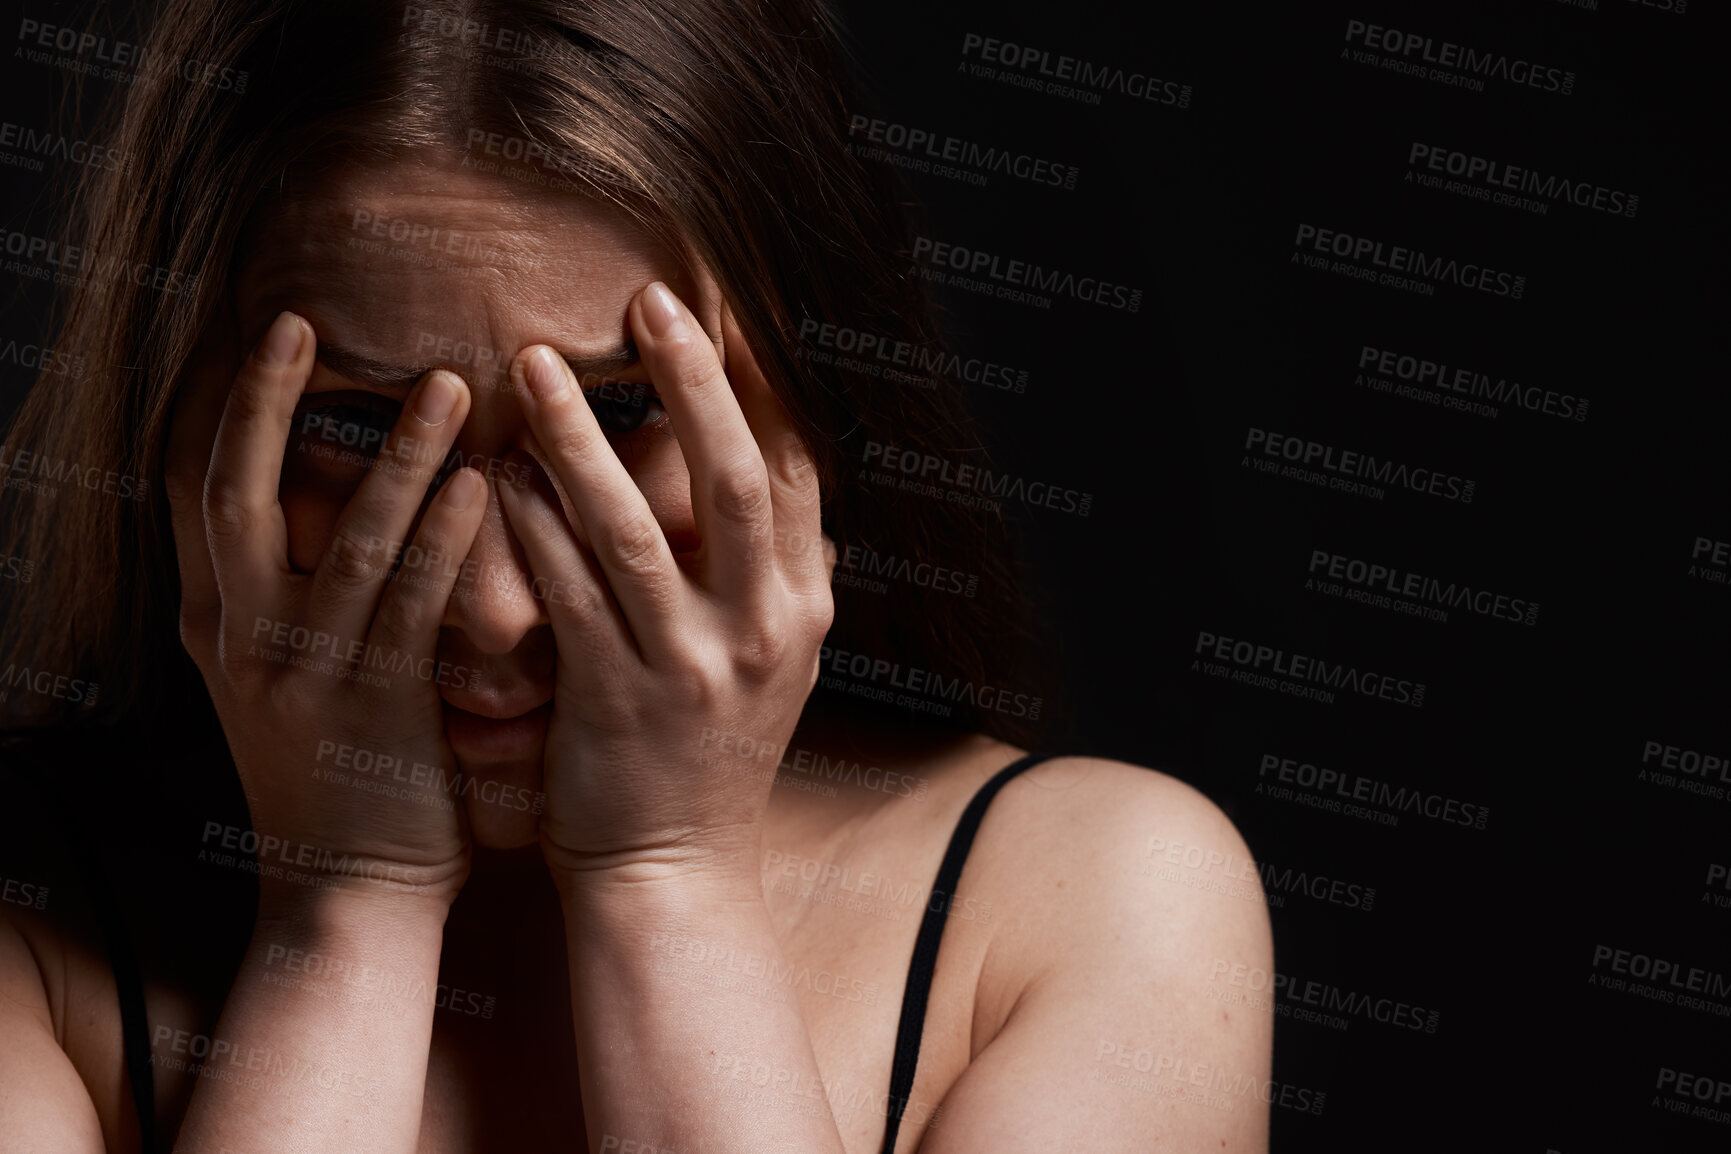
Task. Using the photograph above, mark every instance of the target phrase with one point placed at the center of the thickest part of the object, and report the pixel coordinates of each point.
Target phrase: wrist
(308, 902)
(673, 877)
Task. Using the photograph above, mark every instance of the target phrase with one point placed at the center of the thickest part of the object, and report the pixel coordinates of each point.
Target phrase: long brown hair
(718, 122)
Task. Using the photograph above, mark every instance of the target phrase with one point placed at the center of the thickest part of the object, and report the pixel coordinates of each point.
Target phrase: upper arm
(1113, 1041)
(44, 1104)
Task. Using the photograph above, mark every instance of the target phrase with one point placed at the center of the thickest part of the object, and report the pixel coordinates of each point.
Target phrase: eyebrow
(362, 369)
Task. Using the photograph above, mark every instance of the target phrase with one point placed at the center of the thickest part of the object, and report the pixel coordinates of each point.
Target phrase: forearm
(322, 1044)
(689, 1030)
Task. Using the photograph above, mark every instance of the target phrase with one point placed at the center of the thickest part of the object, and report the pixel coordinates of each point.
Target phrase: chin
(500, 764)
(498, 827)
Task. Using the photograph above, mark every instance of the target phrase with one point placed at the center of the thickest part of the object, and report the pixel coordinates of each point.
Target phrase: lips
(496, 727)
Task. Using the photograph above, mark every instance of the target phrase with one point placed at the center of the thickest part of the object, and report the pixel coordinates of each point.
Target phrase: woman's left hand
(663, 668)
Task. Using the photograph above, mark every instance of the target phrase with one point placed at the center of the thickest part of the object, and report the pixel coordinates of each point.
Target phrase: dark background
(1595, 520)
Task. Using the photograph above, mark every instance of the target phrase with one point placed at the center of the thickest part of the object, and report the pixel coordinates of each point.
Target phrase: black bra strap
(925, 960)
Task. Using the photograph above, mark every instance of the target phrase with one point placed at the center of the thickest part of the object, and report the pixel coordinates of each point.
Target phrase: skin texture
(662, 855)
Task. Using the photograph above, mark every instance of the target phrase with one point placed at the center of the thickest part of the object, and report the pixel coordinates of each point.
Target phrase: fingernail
(662, 312)
(546, 375)
(438, 397)
(462, 489)
(283, 342)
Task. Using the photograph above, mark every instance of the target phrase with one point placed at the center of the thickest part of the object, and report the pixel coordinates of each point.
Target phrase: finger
(730, 492)
(620, 527)
(796, 499)
(248, 537)
(192, 432)
(585, 616)
(414, 602)
(351, 576)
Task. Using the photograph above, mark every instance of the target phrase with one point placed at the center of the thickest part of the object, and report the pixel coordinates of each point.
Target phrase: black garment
(925, 960)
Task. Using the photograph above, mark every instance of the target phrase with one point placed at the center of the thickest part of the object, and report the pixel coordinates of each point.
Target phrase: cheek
(660, 472)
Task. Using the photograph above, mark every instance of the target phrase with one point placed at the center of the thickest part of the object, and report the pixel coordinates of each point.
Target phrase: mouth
(499, 734)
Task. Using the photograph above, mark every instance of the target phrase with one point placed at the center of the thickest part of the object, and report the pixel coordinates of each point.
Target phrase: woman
(502, 511)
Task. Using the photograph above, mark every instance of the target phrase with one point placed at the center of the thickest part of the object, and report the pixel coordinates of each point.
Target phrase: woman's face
(409, 268)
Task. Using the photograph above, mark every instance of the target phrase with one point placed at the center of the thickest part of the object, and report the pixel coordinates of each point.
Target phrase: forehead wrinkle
(590, 262)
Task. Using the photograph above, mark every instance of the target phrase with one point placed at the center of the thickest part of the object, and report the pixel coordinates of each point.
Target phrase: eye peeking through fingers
(338, 434)
(625, 409)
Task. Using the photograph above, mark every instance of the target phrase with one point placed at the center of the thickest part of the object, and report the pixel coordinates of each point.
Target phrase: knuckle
(741, 494)
(759, 652)
(634, 546)
(690, 684)
(348, 562)
(797, 471)
(227, 518)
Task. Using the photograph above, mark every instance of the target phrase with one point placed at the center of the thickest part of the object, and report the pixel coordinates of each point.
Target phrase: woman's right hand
(294, 661)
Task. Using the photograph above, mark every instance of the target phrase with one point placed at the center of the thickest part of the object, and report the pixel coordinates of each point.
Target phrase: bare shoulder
(60, 1081)
(1099, 989)
(1120, 878)
(1112, 822)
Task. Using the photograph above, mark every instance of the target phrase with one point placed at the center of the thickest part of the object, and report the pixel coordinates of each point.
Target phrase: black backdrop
(1545, 832)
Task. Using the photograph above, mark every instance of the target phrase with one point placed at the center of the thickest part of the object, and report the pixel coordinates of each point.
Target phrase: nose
(494, 604)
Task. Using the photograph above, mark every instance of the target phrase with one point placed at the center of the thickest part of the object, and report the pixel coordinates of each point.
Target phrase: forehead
(392, 258)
